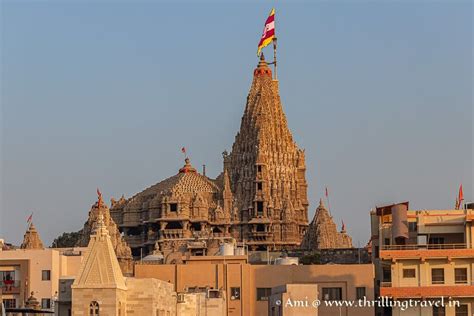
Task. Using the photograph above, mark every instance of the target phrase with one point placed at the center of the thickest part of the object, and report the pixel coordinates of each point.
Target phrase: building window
(46, 275)
(360, 293)
(412, 226)
(462, 310)
(173, 207)
(7, 275)
(263, 293)
(259, 168)
(94, 308)
(386, 275)
(460, 275)
(436, 241)
(409, 273)
(259, 208)
(9, 303)
(259, 186)
(235, 293)
(437, 276)
(45, 303)
(386, 241)
(439, 311)
(332, 293)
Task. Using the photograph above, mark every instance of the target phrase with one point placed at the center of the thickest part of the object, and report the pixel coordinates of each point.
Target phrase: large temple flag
(268, 32)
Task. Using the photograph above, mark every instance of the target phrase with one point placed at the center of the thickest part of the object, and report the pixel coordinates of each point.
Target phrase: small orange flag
(460, 197)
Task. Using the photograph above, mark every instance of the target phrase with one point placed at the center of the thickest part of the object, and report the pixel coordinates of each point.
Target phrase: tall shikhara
(267, 171)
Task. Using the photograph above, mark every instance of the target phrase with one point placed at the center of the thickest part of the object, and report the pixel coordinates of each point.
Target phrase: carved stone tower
(121, 248)
(323, 234)
(267, 171)
(32, 240)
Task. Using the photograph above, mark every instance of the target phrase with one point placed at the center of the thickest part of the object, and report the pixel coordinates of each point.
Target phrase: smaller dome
(154, 257)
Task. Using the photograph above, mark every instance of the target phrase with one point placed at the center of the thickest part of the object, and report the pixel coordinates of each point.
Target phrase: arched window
(94, 308)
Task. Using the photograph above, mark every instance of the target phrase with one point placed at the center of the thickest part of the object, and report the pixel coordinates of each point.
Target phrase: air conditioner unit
(421, 241)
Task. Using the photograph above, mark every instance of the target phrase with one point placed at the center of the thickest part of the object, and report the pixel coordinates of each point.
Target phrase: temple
(187, 212)
(120, 246)
(31, 240)
(258, 200)
(267, 171)
(323, 234)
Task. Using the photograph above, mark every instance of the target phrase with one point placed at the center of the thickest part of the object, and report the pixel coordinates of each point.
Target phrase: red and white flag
(30, 218)
(268, 32)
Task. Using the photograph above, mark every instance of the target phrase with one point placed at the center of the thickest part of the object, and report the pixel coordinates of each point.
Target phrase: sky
(105, 94)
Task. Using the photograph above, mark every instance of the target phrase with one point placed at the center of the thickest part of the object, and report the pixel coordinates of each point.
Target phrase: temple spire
(267, 169)
(100, 267)
(31, 239)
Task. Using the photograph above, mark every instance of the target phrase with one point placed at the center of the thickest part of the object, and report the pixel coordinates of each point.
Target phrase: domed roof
(188, 180)
(153, 257)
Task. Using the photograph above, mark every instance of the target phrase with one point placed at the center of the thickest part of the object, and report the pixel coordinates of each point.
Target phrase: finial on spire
(100, 201)
(187, 167)
(262, 68)
(343, 227)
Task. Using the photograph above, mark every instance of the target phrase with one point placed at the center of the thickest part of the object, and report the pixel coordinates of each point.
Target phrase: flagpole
(275, 57)
(327, 198)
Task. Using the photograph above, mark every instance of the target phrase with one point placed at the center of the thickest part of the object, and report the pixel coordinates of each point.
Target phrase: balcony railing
(424, 246)
(172, 233)
(434, 282)
(10, 287)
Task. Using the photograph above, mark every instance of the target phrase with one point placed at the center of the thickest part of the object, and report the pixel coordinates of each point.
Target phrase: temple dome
(188, 180)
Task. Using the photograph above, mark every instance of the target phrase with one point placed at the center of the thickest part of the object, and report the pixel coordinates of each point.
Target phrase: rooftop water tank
(226, 249)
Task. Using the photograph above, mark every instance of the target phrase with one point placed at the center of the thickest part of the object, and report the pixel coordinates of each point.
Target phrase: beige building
(292, 300)
(248, 287)
(35, 269)
(101, 289)
(424, 255)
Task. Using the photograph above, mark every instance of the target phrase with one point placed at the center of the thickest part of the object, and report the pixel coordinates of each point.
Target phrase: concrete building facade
(248, 287)
(424, 255)
(35, 269)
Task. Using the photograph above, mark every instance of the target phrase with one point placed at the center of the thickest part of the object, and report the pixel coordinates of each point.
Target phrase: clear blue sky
(105, 94)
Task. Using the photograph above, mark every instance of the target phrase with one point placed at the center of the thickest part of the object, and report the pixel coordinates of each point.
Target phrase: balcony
(438, 290)
(10, 287)
(393, 252)
(172, 233)
(261, 236)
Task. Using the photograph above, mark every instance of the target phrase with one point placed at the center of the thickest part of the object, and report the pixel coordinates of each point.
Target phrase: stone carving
(175, 211)
(259, 199)
(323, 234)
(267, 170)
(31, 239)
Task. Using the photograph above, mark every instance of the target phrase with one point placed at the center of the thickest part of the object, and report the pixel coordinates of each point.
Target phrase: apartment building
(424, 255)
(23, 271)
(253, 289)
